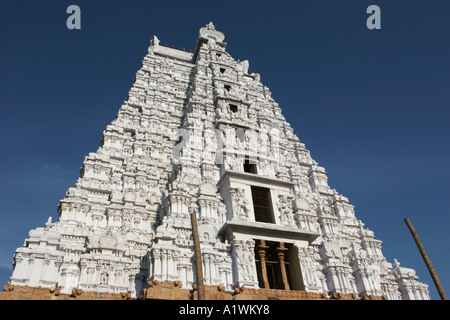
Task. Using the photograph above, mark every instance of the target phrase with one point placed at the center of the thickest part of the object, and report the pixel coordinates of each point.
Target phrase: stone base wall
(28, 293)
(173, 291)
(244, 293)
(165, 290)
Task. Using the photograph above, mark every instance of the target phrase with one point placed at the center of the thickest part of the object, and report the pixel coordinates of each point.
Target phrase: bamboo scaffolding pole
(427, 260)
(198, 257)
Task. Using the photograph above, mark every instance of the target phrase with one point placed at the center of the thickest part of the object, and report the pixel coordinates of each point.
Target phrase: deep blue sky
(372, 106)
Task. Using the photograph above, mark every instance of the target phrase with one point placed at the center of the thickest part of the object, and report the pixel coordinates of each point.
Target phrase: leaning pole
(426, 259)
(197, 254)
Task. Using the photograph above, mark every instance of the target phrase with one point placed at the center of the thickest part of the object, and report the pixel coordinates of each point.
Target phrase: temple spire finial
(209, 32)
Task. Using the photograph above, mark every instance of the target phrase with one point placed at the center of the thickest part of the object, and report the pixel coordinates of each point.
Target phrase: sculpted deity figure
(285, 207)
(245, 260)
(210, 145)
(222, 108)
(104, 279)
(241, 205)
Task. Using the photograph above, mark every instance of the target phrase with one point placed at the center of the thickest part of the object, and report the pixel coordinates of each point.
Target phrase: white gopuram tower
(198, 132)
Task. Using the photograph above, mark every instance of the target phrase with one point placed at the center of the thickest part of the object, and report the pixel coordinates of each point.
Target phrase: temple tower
(198, 132)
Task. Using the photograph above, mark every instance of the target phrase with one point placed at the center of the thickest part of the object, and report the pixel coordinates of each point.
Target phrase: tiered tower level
(199, 133)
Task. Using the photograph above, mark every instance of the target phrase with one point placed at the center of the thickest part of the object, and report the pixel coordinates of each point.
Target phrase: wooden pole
(198, 257)
(262, 256)
(281, 255)
(426, 259)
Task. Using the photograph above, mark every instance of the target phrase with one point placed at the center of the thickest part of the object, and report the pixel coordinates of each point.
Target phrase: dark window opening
(233, 108)
(222, 70)
(227, 87)
(250, 167)
(262, 205)
(131, 132)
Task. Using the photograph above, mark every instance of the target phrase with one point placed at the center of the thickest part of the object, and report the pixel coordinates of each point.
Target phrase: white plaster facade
(182, 136)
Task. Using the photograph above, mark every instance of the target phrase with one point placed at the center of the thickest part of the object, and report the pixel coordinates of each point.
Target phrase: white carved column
(244, 263)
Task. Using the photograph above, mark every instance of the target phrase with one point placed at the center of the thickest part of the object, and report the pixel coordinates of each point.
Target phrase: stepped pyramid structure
(199, 133)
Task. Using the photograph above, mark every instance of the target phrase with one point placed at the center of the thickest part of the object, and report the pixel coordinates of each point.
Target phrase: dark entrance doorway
(278, 266)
